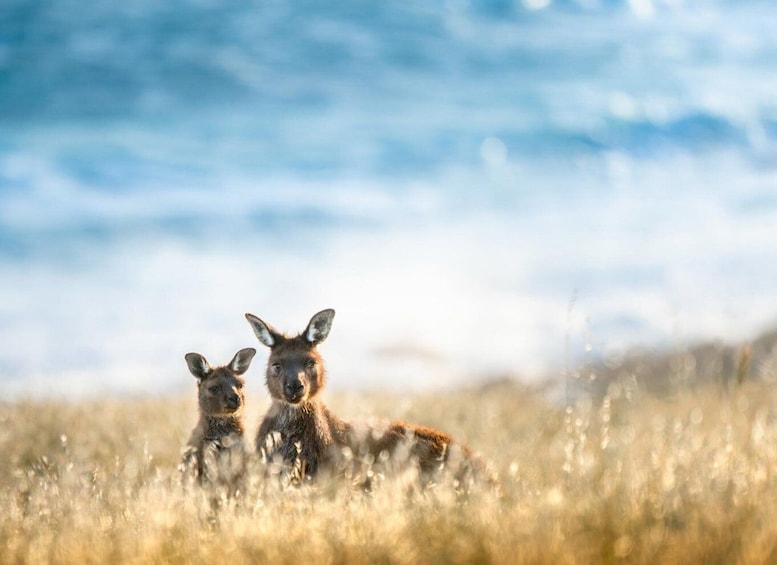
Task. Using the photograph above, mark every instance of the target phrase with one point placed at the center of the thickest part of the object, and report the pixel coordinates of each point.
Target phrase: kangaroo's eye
(214, 389)
(311, 363)
(239, 385)
(276, 368)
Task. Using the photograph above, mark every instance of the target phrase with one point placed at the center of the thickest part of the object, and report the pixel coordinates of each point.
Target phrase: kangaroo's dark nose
(233, 401)
(294, 387)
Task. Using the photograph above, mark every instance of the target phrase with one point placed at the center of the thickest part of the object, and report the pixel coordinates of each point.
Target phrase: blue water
(478, 188)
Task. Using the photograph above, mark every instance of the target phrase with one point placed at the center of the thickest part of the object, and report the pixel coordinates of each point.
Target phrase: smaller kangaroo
(299, 432)
(215, 452)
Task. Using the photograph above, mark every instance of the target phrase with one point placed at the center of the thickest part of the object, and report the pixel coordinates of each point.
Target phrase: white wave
(428, 294)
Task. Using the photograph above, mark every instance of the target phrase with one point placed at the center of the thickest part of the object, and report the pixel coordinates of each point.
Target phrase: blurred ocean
(478, 188)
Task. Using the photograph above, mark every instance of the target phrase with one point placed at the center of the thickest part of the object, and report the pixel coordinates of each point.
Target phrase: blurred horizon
(477, 188)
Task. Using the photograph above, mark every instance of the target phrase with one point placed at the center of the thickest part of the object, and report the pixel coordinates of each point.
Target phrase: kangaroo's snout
(233, 401)
(293, 389)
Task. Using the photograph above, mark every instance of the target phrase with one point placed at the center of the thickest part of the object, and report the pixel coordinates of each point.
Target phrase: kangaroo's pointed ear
(198, 365)
(242, 360)
(319, 326)
(265, 332)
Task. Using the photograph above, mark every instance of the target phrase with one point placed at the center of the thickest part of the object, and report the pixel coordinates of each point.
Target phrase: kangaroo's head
(295, 370)
(221, 388)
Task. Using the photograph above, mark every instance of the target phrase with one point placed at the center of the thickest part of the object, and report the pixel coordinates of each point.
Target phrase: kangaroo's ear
(319, 326)
(265, 332)
(242, 360)
(198, 365)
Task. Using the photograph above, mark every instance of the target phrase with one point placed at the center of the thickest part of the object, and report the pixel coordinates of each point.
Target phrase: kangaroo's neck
(297, 413)
(217, 428)
(299, 421)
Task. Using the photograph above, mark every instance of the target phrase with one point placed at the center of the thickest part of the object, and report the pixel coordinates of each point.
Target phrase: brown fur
(215, 452)
(299, 434)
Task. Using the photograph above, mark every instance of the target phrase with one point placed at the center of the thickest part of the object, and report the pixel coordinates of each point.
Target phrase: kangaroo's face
(221, 388)
(221, 394)
(295, 370)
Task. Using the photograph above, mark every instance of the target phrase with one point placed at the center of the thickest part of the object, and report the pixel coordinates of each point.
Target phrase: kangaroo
(301, 434)
(215, 452)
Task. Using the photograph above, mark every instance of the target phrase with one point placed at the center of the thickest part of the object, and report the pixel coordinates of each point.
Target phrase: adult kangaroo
(301, 434)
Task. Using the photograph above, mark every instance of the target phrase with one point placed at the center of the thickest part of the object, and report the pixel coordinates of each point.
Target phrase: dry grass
(687, 479)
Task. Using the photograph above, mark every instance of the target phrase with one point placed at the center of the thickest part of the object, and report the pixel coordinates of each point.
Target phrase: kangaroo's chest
(217, 459)
(300, 443)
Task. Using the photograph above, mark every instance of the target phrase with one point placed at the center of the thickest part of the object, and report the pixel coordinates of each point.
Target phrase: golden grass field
(687, 478)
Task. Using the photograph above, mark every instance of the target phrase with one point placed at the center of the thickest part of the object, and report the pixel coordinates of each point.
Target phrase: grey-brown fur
(215, 452)
(302, 436)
